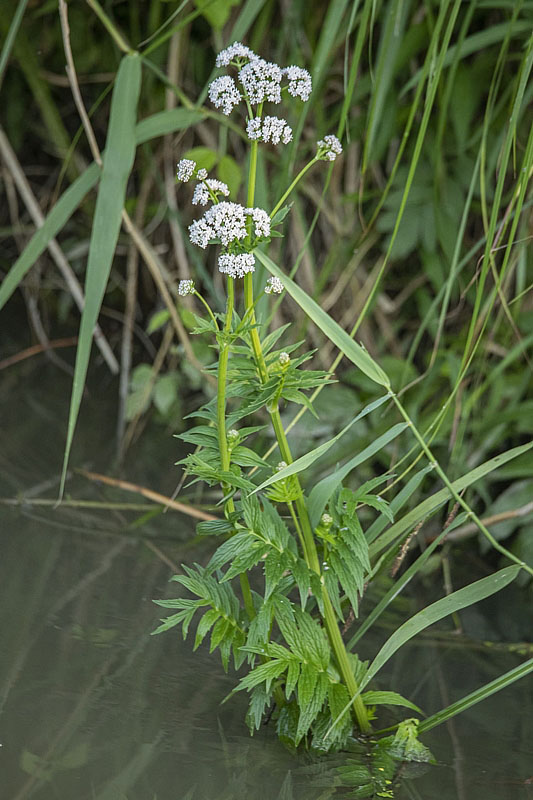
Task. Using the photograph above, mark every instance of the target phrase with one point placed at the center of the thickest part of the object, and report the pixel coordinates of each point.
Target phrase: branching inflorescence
(290, 633)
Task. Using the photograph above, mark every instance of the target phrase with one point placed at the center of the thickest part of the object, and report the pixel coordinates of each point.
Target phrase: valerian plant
(307, 553)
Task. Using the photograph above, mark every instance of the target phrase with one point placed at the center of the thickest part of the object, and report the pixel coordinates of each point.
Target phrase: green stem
(208, 307)
(312, 560)
(291, 187)
(457, 497)
(309, 546)
(111, 28)
(221, 426)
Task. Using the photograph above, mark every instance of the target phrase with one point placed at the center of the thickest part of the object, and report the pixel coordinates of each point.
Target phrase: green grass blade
(462, 598)
(321, 493)
(164, 122)
(56, 219)
(396, 15)
(306, 460)
(476, 697)
(117, 164)
(327, 325)
(10, 38)
(432, 503)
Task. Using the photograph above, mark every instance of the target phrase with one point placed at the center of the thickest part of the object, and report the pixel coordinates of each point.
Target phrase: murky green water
(92, 706)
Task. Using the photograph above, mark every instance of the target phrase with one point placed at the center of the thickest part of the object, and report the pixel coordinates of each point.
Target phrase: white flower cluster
(269, 129)
(273, 286)
(236, 266)
(185, 287)
(205, 191)
(234, 52)
(224, 94)
(284, 359)
(261, 80)
(226, 222)
(329, 148)
(186, 169)
(261, 221)
(300, 82)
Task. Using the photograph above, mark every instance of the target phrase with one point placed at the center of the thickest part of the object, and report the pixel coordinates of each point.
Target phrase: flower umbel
(269, 129)
(185, 287)
(300, 82)
(224, 94)
(236, 266)
(235, 52)
(273, 286)
(329, 148)
(261, 81)
(209, 190)
(186, 169)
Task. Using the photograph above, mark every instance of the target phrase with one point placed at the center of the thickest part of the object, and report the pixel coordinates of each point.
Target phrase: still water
(94, 708)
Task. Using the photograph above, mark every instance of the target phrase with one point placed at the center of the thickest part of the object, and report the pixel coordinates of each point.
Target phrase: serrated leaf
(306, 684)
(205, 625)
(309, 712)
(263, 673)
(293, 673)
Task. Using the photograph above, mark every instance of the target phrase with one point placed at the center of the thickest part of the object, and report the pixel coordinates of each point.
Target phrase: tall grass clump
(382, 222)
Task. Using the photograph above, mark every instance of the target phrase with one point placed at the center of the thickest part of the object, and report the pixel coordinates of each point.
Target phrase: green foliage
(424, 255)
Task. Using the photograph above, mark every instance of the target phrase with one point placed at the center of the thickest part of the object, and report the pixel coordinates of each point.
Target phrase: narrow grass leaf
(432, 503)
(117, 164)
(54, 222)
(462, 598)
(476, 697)
(164, 122)
(11, 35)
(306, 460)
(327, 325)
(321, 493)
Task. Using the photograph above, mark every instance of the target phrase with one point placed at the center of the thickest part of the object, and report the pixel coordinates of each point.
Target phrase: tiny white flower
(202, 196)
(233, 435)
(186, 169)
(329, 148)
(284, 358)
(253, 128)
(274, 286)
(185, 287)
(201, 174)
(261, 81)
(300, 82)
(326, 519)
(261, 221)
(224, 94)
(234, 52)
(236, 266)
(281, 465)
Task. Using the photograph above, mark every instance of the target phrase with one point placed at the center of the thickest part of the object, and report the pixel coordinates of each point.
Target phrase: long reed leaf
(327, 325)
(117, 164)
(306, 460)
(476, 697)
(321, 493)
(432, 503)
